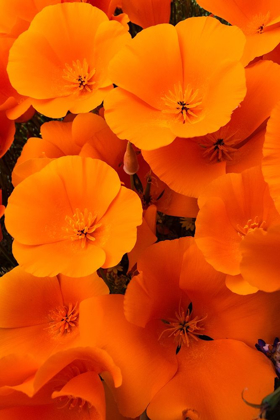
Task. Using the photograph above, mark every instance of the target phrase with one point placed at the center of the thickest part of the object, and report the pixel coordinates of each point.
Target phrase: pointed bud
(130, 161)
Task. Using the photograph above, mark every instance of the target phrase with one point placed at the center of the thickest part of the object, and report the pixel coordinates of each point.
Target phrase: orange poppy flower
(147, 13)
(232, 208)
(63, 66)
(41, 316)
(76, 212)
(202, 82)
(259, 20)
(69, 385)
(166, 325)
(89, 136)
(189, 165)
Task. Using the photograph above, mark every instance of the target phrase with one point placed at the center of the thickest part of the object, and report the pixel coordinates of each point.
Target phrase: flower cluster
(144, 209)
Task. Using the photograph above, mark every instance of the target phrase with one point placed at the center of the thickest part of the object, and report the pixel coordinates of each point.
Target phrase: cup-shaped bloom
(235, 209)
(180, 81)
(72, 217)
(40, 316)
(182, 330)
(88, 135)
(259, 20)
(63, 65)
(68, 385)
(188, 165)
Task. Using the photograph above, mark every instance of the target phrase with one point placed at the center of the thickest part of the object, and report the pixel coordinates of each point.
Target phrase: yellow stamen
(81, 227)
(185, 105)
(218, 149)
(63, 319)
(250, 226)
(183, 327)
(257, 24)
(79, 76)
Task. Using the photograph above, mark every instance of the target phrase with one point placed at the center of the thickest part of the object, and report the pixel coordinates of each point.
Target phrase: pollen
(185, 105)
(73, 402)
(251, 225)
(63, 319)
(79, 76)
(257, 24)
(81, 227)
(184, 327)
(71, 371)
(218, 149)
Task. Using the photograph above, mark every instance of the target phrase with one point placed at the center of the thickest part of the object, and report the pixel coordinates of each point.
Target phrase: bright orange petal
(222, 250)
(230, 207)
(132, 119)
(145, 237)
(7, 132)
(74, 290)
(121, 235)
(211, 299)
(40, 53)
(88, 387)
(271, 156)
(98, 361)
(143, 59)
(237, 284)
(163, 260)
(110, 38)
(183, 167)
(147, 13)
(196, 391)
(21, 299)
(145, 365)
(261, 96)
(60, 257)
(260, 263)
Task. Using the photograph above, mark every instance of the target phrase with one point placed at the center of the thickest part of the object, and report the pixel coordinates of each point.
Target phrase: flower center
(218, 149)
(184, 327)
(81, 227)
(185, 105)
(190, 414)
(251, 225)
(74, 402)
(257, 24)
(63, 319)
(76, 368)
(79, 76)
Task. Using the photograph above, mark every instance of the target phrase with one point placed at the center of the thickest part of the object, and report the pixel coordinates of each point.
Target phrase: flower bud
(130, 161)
